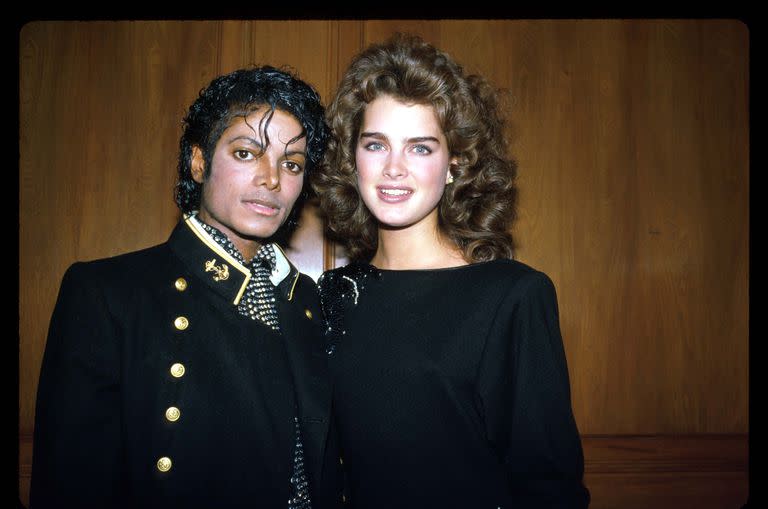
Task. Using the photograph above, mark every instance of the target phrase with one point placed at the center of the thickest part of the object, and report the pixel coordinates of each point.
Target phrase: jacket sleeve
(523, 392)
(77, 457)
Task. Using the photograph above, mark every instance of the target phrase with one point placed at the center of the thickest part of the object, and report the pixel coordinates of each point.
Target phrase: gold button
(343, 498)
(181, 284)
(177, 370)
(172, 414)
(164, 464)
(308, 313)
(181, 323)
(341, 461)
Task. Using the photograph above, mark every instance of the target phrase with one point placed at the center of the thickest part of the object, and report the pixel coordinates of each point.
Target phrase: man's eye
(243, 155)
(293, 167)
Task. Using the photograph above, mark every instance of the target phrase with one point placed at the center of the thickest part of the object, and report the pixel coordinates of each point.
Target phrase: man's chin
(263, 230)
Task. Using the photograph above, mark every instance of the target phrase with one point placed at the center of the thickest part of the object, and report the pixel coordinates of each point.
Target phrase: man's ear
(198, 165)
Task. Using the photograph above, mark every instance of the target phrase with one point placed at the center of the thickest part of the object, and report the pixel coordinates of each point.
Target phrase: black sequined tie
(259, 299)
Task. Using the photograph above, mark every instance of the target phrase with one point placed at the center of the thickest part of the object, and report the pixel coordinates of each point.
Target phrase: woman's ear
(452, 164)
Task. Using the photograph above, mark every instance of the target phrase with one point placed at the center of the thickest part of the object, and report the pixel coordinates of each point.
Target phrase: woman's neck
(416, 248)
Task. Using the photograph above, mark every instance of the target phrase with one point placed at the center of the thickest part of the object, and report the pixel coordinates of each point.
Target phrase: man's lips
(263, 207)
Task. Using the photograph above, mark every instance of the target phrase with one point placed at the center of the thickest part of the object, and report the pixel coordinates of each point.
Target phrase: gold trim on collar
(293, 286)
(291, 268)
(206, 239)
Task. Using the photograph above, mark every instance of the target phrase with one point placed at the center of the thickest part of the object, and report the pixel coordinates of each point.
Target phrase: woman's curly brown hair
(477, 210)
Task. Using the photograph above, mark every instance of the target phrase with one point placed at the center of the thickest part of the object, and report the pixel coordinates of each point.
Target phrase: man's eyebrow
(253, 141)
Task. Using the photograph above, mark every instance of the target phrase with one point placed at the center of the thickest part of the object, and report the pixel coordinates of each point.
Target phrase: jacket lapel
(307, 359)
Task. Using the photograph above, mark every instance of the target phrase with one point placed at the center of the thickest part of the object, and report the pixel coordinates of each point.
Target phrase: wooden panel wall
(632, 141)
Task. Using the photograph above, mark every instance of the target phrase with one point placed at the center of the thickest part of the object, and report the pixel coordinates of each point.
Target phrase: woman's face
(402, 161)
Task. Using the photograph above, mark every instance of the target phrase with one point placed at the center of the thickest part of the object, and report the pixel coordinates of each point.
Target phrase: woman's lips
(394, 194)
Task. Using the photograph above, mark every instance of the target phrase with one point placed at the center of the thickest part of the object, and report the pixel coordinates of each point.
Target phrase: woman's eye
(374, 146)
(422, 149)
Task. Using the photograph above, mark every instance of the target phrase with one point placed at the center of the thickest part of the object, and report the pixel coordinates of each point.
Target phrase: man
(192, 374)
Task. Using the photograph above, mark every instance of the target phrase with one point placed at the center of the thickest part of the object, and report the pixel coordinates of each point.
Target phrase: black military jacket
(156, 392)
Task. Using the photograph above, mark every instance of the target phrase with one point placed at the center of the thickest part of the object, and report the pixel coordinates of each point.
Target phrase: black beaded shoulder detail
(340, 290)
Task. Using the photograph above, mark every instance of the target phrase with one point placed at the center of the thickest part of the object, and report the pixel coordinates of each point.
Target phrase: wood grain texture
(666, 471)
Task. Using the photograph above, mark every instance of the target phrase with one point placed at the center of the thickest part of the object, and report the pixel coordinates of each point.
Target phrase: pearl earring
(449, 180)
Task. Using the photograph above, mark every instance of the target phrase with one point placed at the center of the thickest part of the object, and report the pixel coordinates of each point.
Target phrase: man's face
(250, 191)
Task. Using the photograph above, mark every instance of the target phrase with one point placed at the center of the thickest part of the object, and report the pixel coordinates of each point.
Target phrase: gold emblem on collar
(221, 273)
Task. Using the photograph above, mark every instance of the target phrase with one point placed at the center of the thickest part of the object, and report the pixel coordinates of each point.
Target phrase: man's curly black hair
(239, 94)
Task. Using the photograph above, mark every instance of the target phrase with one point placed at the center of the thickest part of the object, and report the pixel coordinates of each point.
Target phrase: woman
(450, 380)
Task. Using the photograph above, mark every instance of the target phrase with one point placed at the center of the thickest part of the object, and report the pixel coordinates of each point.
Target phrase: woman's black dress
(451, 388)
